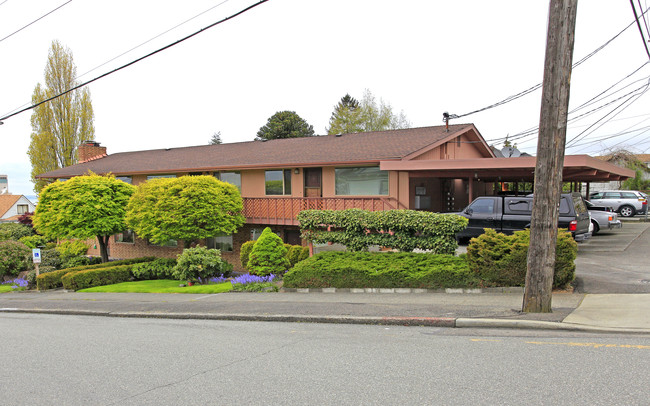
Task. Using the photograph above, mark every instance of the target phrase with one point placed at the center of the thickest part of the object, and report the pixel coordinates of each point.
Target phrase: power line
(539, 85)
(41, 17)
(132, 49)
(636, 18)
(137, 60)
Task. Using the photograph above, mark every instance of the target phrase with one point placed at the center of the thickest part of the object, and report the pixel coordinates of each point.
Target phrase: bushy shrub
(159, 268)
(501, 260)
(294, 253)
(15, 257)
(31, 276)
(381, 270)
(35, 241)
(50, 257)
(14, 231)
(199, 263)
(96, 277)
(269, 256)
(52, 280)
(244, 252)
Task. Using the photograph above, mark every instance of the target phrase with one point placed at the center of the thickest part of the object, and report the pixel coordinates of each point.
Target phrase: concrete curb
(515, 289)
(447, 322)
(542, 325)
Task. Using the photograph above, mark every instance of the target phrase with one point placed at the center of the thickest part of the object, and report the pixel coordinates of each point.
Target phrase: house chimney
(89, 150)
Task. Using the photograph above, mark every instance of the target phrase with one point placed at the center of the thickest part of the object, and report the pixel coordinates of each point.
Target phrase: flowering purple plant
(217, 279)
(248, 278)
(16, 283)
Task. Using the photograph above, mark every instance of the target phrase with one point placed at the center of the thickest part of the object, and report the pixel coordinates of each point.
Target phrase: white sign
(36, 255)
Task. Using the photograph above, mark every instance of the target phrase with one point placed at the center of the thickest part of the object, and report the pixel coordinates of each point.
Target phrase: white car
(625, 202)
(602, 218)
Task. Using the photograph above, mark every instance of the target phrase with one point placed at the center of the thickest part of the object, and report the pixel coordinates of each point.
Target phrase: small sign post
(36, 258)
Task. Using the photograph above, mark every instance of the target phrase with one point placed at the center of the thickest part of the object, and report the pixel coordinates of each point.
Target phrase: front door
(313, 182)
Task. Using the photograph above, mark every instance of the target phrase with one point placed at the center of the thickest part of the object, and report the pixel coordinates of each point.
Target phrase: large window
(22, 208)
(126, 236)
(221, 242)
(278, 182)
(234, 178)
(364, 181)
(126, 179)
(149, 177)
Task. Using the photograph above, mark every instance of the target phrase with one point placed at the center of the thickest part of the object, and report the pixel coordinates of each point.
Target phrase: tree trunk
(103, 246)
(550, 156)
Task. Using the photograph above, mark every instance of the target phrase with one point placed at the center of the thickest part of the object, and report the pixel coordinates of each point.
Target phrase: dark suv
(507, 214)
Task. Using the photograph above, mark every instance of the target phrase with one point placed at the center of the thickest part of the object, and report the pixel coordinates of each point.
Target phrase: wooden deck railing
(283, 210)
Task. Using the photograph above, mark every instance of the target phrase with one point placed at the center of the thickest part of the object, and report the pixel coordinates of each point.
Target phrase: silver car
(626, 202)
(602, 218)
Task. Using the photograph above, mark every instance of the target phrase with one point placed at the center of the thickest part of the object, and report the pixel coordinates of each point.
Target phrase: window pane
(361, 181)
(160, 176)
(234, 178)
(125, 179)
(22, 208)
(287, 181)
(223, 243)
(127, 236)
(273, 182)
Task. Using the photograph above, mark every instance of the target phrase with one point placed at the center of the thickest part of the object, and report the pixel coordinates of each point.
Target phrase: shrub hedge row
(52, 280)
(381, 270)
(96, 277)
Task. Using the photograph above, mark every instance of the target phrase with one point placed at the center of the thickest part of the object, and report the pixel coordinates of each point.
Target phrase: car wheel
(596, 228)
(627, 211)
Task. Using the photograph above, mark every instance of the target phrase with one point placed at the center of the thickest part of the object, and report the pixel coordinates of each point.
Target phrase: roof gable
(7, 202)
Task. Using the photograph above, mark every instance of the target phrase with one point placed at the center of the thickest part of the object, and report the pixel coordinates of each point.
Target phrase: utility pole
(550, 155)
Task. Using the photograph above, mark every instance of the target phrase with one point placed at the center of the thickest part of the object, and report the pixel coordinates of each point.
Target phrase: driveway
(615, 261)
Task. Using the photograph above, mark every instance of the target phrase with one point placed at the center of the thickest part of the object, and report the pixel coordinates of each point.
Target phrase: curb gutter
(448, 322)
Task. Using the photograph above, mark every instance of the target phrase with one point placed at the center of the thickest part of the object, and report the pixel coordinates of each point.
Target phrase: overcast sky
(423, 57)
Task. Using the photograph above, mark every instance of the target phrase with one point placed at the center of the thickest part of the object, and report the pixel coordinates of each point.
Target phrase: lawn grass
(160, 286)
(6, 288)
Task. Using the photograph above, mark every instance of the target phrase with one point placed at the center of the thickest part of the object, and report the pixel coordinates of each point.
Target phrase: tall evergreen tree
(60, 125)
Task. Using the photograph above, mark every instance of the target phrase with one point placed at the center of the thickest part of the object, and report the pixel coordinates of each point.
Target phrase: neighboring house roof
(360, 148)
(7, 202)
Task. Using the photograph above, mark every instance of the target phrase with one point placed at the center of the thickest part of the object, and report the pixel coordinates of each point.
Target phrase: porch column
(471, 189)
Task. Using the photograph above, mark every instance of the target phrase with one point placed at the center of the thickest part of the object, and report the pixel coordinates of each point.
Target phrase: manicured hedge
(501, 260)
(159, 268)
(52, 280)
(404, 230)
(96, 277)
(381, 270)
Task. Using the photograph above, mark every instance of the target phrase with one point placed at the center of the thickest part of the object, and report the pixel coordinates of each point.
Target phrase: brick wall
(140, 248)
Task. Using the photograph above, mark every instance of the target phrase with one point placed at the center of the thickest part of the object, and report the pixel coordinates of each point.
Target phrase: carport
(459, 181)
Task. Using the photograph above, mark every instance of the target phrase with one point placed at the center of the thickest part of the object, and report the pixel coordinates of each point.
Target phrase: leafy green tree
(60, 125)
(186, 208)
(350, 116)
(285, 124)
(269, 255)
(83, 207)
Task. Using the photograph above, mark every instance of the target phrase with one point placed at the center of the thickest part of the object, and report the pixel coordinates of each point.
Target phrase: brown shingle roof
(7, 202)
(330, 149)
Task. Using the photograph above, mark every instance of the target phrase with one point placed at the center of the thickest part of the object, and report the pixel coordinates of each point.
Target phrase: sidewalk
(574, 312)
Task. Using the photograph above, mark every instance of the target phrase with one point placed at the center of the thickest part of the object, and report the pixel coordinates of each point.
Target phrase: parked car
(625, 202)
(602, 218)
(507, 214)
